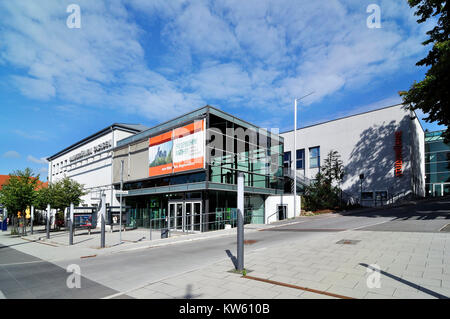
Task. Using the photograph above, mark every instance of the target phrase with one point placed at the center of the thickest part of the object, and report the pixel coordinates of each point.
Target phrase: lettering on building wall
(398, 166)
(93, 150)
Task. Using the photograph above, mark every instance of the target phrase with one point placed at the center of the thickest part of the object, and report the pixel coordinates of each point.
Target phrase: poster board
(178, 150)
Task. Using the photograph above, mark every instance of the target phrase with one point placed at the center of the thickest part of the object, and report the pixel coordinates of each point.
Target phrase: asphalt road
(23, 276)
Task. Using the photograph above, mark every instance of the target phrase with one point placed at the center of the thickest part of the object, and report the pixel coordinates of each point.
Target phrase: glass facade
(234, 148)
(231, 146)
(437, 164)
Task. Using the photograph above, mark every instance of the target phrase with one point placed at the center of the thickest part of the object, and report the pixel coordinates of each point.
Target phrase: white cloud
(255, 53)
(31, 135)
(11, 154)
(35, 160)
(88, 66)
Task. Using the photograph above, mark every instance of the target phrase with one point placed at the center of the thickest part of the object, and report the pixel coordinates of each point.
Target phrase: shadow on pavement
(408, 283)
(422, 210)
(233, 259)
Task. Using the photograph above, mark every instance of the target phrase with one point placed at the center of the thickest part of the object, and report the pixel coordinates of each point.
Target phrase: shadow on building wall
(374, 156)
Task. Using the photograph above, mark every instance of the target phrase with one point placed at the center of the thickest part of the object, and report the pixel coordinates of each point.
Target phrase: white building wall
(93, 171)
(271, 207)
(366, 145)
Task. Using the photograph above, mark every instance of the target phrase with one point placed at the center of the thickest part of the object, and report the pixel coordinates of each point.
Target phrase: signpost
(102, 212)
(32, 219)
(71, 224)
(121, 190)
(48, 221)
(240, 221)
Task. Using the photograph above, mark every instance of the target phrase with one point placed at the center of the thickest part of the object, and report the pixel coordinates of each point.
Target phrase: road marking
(90, 256)
(2, 296)
(39, 242)
(150, 283)
(308, 230)
(297, 287)
(386, 221)
(23, 263)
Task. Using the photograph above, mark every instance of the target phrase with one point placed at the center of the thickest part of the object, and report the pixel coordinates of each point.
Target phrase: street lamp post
(295, 158)
(295, 150)
(120, 214)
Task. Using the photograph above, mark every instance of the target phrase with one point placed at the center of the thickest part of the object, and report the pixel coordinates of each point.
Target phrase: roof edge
(92, 137)
(342, 118)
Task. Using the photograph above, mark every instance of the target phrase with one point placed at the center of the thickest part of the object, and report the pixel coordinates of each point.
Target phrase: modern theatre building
(184, 171)
(89, 162)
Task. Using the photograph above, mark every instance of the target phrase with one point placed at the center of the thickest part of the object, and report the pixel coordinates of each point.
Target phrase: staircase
(302, 181)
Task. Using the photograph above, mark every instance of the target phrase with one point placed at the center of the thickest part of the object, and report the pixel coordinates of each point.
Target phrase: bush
(321, 194)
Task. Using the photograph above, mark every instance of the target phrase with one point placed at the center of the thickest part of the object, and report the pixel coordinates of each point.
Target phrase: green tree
(18, 193)
(64, 192)
(44, 196)
(431, 95)
(325, 191)
(321, 194)
(333, 168)
(59, 195)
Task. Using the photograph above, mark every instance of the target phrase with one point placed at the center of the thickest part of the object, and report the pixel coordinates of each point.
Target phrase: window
(367, 195)
(301, 159)
(287, 159)
(314, 157)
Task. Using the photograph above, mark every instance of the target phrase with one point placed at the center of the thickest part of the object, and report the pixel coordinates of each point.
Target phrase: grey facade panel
(135, 160)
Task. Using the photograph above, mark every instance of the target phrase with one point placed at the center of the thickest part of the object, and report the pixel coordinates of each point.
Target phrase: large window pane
(287, 159)
(438, 178)
(301, 159)
(437, 167)
(436, 147)
(314, 157)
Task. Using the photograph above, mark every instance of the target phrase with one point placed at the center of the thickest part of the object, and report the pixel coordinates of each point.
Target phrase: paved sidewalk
(413, 265)
(57, 248)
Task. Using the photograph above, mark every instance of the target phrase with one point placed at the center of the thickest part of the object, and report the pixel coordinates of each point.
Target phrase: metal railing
(188, 223)
(301, 179)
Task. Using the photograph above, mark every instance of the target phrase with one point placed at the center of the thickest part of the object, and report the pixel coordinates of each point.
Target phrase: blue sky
(144, 61)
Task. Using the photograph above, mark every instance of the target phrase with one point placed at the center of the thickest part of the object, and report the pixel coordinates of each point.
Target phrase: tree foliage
(431, 95)
(333, 168)
(19, 192)
(44, 196)
(64, 192)
(324, 192)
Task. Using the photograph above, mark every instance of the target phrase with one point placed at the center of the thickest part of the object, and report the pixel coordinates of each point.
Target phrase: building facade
(89, 162)
(183, 172)
(382, 152)
(437, 164)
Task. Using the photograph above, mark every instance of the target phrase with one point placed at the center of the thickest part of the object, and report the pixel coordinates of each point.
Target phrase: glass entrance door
(188, 218)
(446, 188)
(437, 190)
(185, 216)
(197, 216)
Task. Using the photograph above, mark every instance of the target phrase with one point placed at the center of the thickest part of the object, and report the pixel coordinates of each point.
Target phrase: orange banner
(195, 163)
(181, 149)
(159, 139)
